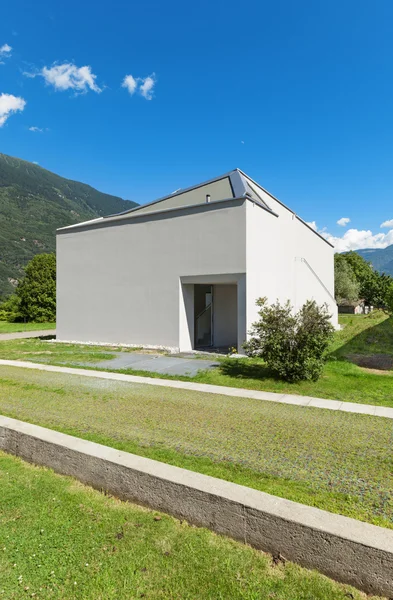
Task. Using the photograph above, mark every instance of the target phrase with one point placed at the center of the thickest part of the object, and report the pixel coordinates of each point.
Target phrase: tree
(389, 298)
(37, 291)
(346, 286)
(293, 345)
(9, 309)
(374, 288)
(373, 285)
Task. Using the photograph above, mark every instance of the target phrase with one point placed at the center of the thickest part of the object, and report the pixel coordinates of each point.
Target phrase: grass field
(62, 540)
(341, 462)
(341, 380)
(6, 327)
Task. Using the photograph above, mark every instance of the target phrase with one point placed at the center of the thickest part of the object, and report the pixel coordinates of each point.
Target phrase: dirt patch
(378, 362)
(377, 372)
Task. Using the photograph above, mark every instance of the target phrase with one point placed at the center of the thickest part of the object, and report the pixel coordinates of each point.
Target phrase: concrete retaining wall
(344, 549)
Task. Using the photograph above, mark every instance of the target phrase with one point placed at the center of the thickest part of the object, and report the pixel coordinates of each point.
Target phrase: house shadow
(371, 348)
(242, 368)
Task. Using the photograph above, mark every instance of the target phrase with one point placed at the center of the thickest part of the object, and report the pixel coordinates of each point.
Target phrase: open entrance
(212, 312)
(203, 316)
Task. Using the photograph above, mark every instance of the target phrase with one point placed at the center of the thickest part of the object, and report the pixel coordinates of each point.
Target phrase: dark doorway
(203, 313)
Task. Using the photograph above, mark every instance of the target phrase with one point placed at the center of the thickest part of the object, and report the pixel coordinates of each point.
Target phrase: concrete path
(362, 409)
(26, 334)
(169, 365)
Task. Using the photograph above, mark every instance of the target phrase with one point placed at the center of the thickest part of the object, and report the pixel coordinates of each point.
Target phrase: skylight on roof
(256, 196)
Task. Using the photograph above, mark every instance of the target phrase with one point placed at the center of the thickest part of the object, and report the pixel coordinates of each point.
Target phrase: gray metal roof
(238, 184)
(240, 189)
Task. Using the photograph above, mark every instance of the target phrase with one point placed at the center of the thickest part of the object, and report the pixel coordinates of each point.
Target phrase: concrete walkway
(155, 363)
(26, 334)
(362, 409)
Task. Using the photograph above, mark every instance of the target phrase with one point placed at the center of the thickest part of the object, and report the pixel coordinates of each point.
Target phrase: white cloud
(10, 104)
(387, 223)
(37, 129)
(144, 85)
(35, 162)
(130, 83)
(68, 76)
(313, 225)
(5, 50)
(343, 222)
(355, 239)
(147, 86)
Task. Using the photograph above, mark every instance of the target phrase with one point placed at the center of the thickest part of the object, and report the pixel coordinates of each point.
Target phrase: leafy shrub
(10, 310)
(37, 290)
(293, 345)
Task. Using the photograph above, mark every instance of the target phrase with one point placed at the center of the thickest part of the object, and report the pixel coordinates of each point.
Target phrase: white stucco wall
(275, 269)
(120, 283)
(317, 264)
(131, 280)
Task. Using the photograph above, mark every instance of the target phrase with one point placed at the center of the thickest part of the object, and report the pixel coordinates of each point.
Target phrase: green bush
(10, 309)
(37, 290)
(293, 345)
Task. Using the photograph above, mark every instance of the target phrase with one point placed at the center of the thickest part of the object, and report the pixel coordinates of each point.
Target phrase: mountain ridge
(34, 202)
(380, 258)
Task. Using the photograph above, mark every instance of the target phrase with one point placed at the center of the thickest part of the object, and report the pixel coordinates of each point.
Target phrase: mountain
(381, 259)
(33, 203)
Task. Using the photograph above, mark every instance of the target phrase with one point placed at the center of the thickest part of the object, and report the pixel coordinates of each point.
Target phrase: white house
(184, 272)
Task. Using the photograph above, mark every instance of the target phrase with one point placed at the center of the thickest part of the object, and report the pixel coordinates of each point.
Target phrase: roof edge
(285, 206)
(122, 216)
(311, 229)
(181, 191)
(74, 225)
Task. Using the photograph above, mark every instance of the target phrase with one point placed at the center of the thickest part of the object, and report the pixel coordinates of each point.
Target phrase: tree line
(34, 299)
(355, 279)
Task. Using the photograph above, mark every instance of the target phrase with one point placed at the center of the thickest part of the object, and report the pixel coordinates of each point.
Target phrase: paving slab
(320, 403)
(364, 409)
(383, 411)
(17, 335)
(156, 363)
(298, 400)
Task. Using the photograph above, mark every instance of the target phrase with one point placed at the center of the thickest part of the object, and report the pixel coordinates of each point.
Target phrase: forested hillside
(381, 259)
(33, 203)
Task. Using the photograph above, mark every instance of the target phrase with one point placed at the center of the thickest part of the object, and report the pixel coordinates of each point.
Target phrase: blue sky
(298, 95)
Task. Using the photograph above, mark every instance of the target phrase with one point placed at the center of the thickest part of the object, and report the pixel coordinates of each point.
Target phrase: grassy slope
(341, 379)
(60, 539)
(6, 327)
(340, 462)
(33, 203)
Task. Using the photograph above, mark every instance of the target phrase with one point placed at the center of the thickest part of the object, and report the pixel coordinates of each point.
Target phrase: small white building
(184, 272)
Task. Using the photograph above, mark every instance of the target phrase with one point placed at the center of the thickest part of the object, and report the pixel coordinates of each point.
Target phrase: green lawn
(60, 539)
(341, 380)
(364, 334)
(341, 462)
(6, 327)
